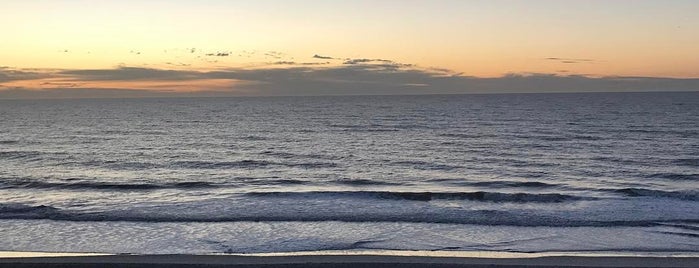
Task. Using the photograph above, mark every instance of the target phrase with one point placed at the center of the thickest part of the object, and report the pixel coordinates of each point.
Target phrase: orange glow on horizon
(193, 85)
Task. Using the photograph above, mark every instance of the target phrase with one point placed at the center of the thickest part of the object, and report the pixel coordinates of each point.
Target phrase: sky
(217, 47)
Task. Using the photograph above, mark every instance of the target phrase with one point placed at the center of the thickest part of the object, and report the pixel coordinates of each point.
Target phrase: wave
(691, 235)
(34, 184)
(514, 162)
(422, 165)
(513, 184)
(691, 162)
(429, 196)
(587, 137)
(465, 136)
(364, 128)
(679, 133)
(287, 155)
(268, 182)
(222, 164)
(254, 138)
(249, 164)
(640, 192)
(358, 182)
(686, 226)
(619, 160)
(282, 212)
(189, 164)
(310, 165)
(675, 176)
(9, 183)
(284, 155)
(121, 165)
(19, 155)
(546, 138)
(29, 212)
(373, 130)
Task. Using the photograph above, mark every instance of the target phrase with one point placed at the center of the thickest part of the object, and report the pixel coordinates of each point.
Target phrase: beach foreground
(343, 261)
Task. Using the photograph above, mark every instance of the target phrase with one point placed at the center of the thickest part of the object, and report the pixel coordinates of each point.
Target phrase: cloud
(274, 54)
(51, 84)
(360, 61)
(76, 93)
(218, 54)
(8, 74)
(178, 64)
(316, 56)
(129, 73)
(293, 63)
(362, 77)
(569, 60)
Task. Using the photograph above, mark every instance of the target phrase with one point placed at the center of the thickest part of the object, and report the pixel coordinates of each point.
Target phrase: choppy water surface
(532, 173)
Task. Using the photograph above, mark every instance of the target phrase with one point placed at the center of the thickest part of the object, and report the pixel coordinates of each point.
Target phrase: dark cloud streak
(8, 74)
(316, 56)
(360, 61)
(218, 54)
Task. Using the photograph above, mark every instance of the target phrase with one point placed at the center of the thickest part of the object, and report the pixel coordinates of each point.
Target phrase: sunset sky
(57, 43)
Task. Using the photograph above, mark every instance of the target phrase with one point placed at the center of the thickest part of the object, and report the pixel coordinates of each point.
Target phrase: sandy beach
(329, 260)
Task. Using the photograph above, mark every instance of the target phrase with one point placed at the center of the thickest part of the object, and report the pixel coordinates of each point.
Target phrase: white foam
(271, 237)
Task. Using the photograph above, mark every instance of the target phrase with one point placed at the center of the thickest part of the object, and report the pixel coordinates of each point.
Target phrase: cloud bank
(289, 78)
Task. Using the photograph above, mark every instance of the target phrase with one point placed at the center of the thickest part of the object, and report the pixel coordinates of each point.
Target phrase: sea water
(609, 172)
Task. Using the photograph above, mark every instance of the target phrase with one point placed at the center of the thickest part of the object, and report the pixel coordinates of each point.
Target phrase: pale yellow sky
(478, 38)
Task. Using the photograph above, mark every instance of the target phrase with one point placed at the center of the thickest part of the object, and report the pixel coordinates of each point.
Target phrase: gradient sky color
(471, 38)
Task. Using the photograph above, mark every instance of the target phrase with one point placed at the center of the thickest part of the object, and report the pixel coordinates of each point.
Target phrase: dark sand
(343, 261)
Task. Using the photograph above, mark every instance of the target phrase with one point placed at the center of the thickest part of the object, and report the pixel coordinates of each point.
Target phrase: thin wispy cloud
(570, 60)
(293, 63)
(178, 64)
(218, 54)
(274, 54)
(61, 84)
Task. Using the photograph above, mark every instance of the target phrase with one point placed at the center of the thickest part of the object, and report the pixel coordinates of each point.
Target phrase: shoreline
(352, 259)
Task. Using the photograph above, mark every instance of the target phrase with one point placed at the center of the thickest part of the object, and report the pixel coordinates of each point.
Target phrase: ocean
(583, 172)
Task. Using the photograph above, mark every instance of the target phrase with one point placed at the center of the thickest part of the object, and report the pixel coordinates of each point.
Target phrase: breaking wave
(429, 196)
